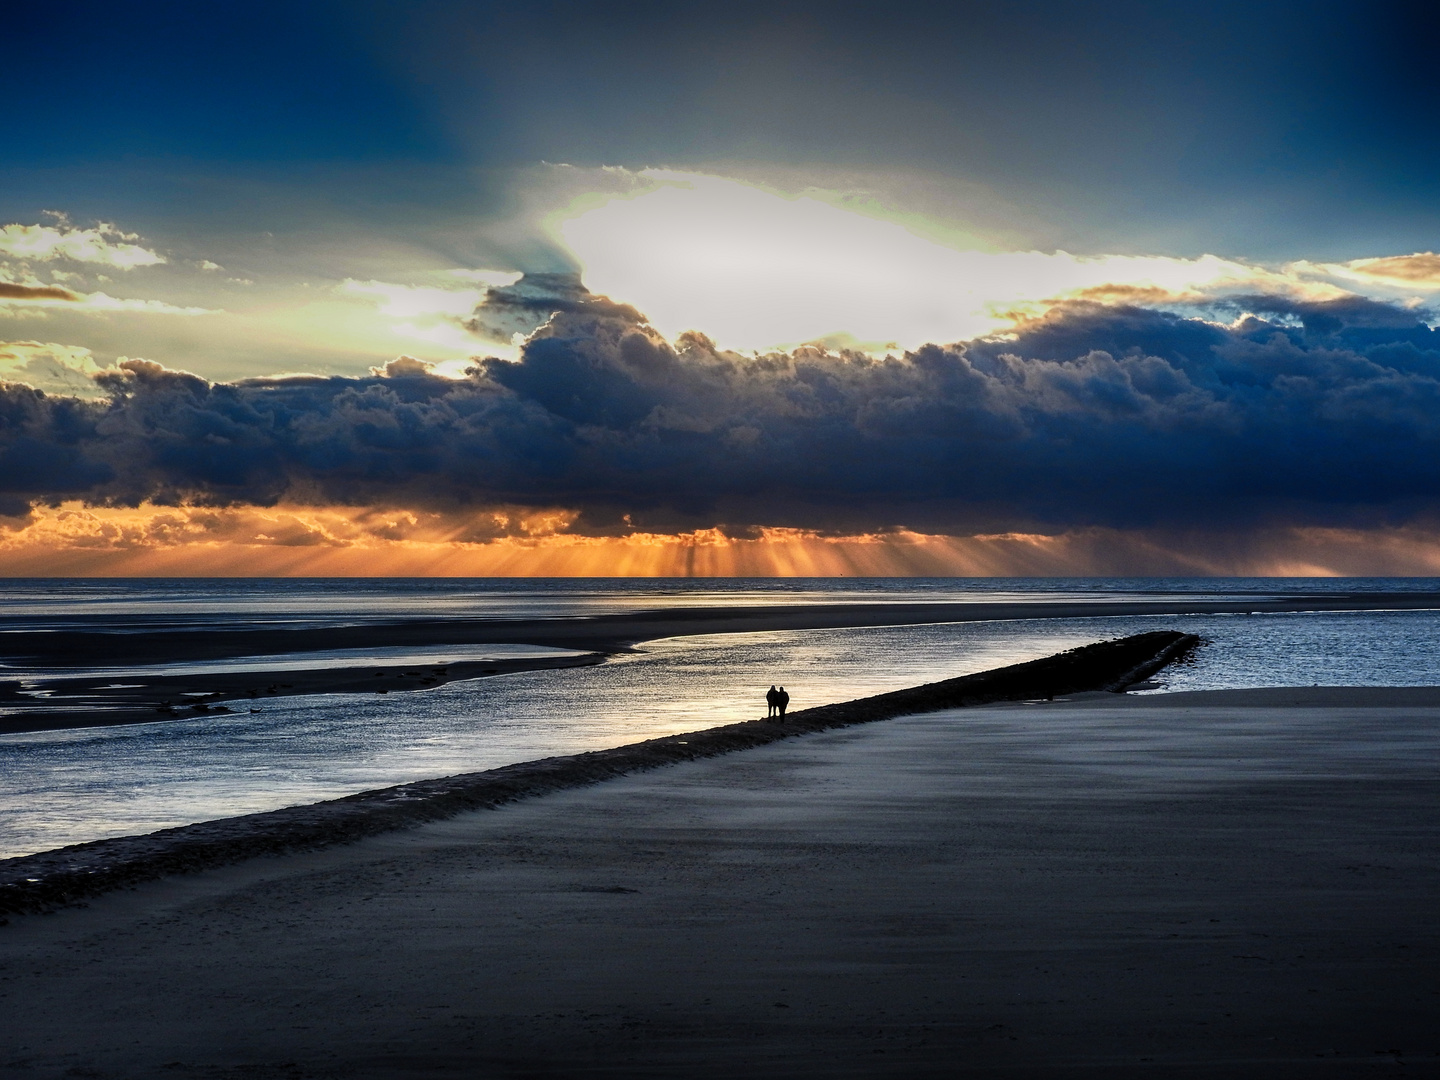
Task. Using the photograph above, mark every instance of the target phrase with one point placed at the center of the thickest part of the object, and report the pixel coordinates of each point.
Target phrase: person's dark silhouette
(772, 698)
(784, 700)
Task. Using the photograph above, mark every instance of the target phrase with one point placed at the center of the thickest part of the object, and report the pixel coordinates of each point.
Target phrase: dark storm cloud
(11, 291)
(1092, 415)
(526, 305)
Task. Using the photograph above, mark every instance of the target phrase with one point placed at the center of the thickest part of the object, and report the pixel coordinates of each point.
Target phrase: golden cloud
(1422, 268)
(11, 291)
(74, 540)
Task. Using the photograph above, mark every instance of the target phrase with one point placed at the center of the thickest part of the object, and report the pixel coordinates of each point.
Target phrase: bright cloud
(97, 302)
(755, 270)
(1418, 271)
(429, 313)
(54, 368)
(22, 246)
(411, 301)
(104, 244)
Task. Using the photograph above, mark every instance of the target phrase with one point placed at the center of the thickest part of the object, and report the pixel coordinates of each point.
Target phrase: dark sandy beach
(1223, 884)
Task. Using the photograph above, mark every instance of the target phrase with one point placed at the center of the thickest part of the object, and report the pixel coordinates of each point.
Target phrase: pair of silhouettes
(778, 700)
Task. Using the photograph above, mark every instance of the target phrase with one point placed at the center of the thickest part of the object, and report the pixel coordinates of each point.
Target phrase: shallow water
(46, 603)
(327, 659)
(63, 787)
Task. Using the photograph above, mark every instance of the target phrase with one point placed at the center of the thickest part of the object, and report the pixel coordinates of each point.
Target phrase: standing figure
(772, 698)
(783, 699)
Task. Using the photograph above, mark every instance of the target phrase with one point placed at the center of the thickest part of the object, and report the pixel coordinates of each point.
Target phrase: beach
(246, 696)
(1228, 883)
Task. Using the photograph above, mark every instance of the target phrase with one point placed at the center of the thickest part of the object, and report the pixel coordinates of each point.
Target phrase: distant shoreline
(611, 633)
(89, 702)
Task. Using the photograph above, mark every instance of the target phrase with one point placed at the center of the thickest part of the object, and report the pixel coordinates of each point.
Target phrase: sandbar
(99, 701)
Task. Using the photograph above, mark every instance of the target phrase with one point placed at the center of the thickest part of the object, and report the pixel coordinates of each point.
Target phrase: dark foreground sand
(1231, 884)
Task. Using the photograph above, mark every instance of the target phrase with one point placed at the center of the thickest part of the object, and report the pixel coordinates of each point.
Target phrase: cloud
(41, 297)
(1422, 269)
(104, 244)
(426, 312)
(100, 301)
(1283, 412)
(75, 539)
(522, 307)
(11, 291)
(759, 269)
(53, 368)
(409, 301)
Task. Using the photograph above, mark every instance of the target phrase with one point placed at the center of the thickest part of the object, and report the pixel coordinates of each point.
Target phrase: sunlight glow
(756, 270)
(75, 540)
(431, 314)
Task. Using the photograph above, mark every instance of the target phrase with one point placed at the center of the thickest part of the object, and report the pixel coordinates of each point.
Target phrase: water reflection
(63, 787)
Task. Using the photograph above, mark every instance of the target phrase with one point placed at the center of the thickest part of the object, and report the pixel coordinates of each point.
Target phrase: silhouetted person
(783, 700)
(772, 698)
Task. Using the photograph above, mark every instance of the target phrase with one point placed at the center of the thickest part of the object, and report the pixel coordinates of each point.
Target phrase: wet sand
(95, 701)
(1223, 884)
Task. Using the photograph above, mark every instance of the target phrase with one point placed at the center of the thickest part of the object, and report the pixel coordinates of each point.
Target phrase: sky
(561, 288)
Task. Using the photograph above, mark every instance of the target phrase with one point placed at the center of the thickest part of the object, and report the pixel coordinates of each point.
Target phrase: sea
(80, 784)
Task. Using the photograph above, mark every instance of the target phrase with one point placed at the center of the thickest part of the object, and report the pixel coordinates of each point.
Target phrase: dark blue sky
(1272, 130)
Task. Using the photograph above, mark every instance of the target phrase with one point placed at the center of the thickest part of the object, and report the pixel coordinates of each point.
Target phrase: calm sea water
(82, 784)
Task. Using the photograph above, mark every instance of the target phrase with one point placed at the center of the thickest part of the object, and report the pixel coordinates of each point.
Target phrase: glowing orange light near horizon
(340, 541)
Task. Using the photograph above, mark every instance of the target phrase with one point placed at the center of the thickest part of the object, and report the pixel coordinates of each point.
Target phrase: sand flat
(1229, 885)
